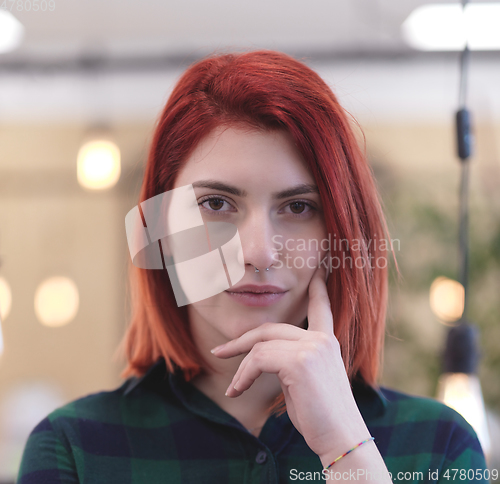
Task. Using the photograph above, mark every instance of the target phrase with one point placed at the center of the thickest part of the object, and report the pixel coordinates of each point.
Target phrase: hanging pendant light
(459, 385)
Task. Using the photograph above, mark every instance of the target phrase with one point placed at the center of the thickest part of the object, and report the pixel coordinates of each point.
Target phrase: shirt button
(261, 457)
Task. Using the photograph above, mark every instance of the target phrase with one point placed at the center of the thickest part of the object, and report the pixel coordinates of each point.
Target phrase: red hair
(268, 90)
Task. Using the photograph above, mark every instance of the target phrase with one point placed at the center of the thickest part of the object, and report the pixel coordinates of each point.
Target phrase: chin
(231, 320)
(239, 323)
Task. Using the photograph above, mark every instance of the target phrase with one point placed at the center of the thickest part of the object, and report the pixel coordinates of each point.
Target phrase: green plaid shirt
(161, 429)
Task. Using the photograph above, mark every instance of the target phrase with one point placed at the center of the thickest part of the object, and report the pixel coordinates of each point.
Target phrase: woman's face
(253, 171)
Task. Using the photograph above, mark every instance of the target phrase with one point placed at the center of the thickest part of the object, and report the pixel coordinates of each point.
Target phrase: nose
(259, 249)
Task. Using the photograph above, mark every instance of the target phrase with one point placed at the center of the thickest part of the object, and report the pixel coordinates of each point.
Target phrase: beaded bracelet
(350, 450)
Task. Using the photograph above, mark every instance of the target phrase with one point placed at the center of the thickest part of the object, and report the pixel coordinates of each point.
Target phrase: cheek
(303, 277)
(304, 260)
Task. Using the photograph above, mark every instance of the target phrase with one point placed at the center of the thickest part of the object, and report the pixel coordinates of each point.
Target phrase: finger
(270, 357)
(319, 311)
(265, 332)
(237, 375)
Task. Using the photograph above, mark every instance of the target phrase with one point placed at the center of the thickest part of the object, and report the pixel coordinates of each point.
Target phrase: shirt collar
(370, 399)
(275, 434)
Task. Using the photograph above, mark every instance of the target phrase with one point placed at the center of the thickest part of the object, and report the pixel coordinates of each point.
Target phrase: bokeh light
(11, 31)
(5, 298)
(446, 26)
(447, 299)
(56, 301)
(98, 165)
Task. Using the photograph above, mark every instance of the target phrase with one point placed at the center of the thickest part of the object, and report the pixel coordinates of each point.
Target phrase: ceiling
(102, 61)
(118, 29)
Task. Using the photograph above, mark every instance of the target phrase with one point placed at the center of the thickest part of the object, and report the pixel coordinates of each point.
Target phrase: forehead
(248, 157)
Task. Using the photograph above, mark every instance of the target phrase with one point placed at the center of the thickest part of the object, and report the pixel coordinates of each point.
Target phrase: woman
(265, 146)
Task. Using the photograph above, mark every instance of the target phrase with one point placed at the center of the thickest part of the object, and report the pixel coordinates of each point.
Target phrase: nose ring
(257, 270)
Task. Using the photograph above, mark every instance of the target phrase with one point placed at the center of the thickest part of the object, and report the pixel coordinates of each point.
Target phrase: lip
(247, 294)
(257, 288)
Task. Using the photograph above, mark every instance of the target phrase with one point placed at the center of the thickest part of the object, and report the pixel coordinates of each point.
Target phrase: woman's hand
(309, 366)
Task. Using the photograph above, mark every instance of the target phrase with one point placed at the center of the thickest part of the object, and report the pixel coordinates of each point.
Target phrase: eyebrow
(300, 189)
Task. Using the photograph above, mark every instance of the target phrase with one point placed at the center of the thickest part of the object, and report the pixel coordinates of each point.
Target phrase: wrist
(339, 451)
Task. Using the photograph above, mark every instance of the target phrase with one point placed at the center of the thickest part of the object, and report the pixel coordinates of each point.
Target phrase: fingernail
(217, 348)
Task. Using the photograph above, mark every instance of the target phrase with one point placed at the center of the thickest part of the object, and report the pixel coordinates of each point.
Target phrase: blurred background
(74, 72)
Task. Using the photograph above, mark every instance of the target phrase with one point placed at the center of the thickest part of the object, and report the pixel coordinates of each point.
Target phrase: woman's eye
(214, 204)
(300, 208)
(297, 207)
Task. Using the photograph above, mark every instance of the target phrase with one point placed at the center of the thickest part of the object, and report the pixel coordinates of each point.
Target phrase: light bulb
(56, 301)
(462, 392)
(447, 26)
(447, 299)
(98, 165)
(11, 31)
(5, 298)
